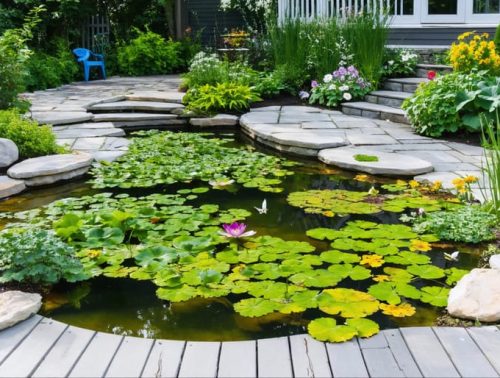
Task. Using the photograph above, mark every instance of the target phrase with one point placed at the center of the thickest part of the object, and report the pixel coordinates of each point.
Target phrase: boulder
(477, 296)
(16, 306)
(10, 187)
(9, 153)
(495, 262)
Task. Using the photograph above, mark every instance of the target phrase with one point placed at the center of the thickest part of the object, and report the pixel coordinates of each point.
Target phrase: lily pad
(347, 303)
(326, 329)
(435, 295)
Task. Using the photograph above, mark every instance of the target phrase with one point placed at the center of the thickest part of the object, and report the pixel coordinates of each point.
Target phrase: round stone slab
(315, 140)
(62, 118)
(50, 165)
(9, 153)
(10, 187)
(388, 164)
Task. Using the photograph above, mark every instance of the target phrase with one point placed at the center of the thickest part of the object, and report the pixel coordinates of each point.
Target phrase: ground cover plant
(169, 158)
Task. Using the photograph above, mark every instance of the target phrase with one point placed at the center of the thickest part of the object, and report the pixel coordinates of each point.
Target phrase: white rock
(10, 187)
(477, 296)
(495, 262)
(49, 165)
(16, 306)
(9, 153)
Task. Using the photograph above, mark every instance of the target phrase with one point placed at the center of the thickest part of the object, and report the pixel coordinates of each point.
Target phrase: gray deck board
(11, 337)
(488, 340)
(401, 353)
(130, 359)
(200, 360)
(465, 354)
(64, 353)
(309, 357)
(238, 359)
(164, 360)
(97, 356)
(428, 352)
(274, 358)
(380, 362)
(346, 360)
(26, 357)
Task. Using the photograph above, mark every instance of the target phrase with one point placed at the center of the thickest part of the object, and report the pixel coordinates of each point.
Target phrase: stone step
(55, 118)
(156, 96)
(132, 117)
(423, 69)
(406, 84)
(135, 106)
(374, 111)
(165, 124)
(10, 187)
(389, 98)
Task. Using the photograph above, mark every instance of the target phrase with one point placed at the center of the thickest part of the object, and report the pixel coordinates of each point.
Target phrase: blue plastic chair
(89, 60)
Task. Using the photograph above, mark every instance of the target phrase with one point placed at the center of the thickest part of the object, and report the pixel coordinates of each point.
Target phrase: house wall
(205, 16)
(432, 36)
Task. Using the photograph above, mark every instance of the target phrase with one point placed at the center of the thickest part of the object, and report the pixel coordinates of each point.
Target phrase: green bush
(149, 54)
(433, 109)
(51, 70)
(31, 139)
(469, 224)
(38, 257)
(220, 97)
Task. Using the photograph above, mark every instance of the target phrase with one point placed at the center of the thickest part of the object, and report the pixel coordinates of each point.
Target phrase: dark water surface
(129, 307)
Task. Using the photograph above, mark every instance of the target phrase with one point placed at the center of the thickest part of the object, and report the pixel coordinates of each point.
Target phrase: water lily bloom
(221, 183)
(236, 230)
(431, 75)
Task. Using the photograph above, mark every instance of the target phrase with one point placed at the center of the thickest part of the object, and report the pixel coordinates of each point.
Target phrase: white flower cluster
(407, 55)
(251, 5)
(202, 60)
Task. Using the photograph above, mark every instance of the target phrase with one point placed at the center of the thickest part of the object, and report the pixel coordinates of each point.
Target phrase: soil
(281, 100)
(25, 287)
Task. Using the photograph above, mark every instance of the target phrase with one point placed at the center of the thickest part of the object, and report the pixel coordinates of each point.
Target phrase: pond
(128, 303)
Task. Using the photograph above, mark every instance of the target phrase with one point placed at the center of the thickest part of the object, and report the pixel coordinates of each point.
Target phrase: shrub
(14, 54)
(37, 256)
(474, 51)
(149, 54)
(271, 84)
(468, 224)
(399, 62)
(345, 84)
(433, 109)
(220, 97)
(31, 139)
(51, 70)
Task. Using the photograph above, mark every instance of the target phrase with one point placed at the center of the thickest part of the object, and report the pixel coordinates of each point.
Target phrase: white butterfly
(262, 210)
(452, 256)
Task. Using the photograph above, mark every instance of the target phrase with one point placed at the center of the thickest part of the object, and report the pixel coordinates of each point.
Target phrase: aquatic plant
(236, 230)
(167, 158)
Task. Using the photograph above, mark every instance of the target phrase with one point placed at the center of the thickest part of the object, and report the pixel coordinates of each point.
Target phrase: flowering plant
(345, 84)
(236, 38)
(399, 62)
(475, 51)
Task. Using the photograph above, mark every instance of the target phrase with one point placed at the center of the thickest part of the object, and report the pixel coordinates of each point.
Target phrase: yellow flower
(400, 182)
(420, 245)
(414, 184)
(329, 214)
(471, 179)
(437, 185)
(373, 261)
(398, 311)
(93, 253)
(381, 278)
(458, 183)
(361, 178)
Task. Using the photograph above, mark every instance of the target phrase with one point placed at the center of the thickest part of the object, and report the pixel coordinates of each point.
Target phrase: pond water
(129, 307)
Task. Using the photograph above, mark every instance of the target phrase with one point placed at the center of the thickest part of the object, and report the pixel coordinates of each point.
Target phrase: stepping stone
(91, 144)
(108, 156)
(389, 164)
(10, 187)
(316, 140)
(152, 125)
(218, 120)
(132, 117)
(259, 117)
(318, 125)
(445, 177)
(9, 153)
(152, 96)
(267, 109)
(121, 106)
(62, 118)
(91, 125)
(89, 133)
(50, 169)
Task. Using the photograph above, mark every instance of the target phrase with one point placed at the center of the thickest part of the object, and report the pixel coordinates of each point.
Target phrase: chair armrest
(99, 56)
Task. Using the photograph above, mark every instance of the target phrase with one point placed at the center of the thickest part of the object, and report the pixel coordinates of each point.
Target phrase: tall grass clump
(491, 167)
(366, 36)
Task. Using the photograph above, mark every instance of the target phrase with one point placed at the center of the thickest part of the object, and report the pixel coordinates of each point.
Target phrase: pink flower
(236, 230)
(314, 84)
(431, 75)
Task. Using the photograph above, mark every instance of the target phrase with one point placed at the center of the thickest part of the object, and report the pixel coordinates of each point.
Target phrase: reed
(491, 165)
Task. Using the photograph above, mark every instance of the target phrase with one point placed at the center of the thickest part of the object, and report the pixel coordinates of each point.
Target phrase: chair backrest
(82, 54)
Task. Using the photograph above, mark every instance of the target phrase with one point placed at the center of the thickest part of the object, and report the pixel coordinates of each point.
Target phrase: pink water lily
(236, 230)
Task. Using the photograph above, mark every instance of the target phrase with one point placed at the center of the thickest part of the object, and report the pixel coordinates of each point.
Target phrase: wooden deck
(41, 347)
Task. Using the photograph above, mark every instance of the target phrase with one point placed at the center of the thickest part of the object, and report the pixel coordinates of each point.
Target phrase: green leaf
(326, 329)
(180, 294)
(436, 296)
(337, 257)
(408, 258)
(364, 327)
(255, 307)
(347, 303)
(428, 272)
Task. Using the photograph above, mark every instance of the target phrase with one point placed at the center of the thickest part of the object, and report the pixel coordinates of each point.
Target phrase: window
(443, 7)
(486, 6)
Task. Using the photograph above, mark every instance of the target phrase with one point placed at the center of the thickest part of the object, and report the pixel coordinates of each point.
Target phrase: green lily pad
(364, 327)
(347, 303)
(337, 257)
(435, 295)
(428, 272)
(255, 307)
(180, 294)
(326, 329)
